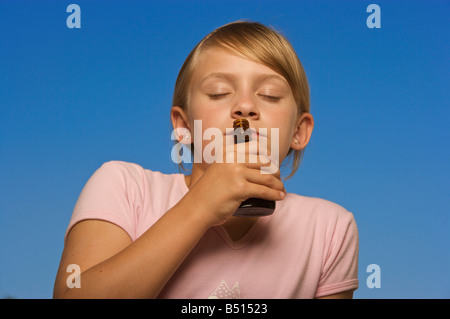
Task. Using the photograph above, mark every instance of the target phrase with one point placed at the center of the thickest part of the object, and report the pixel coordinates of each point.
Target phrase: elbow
(62, 293)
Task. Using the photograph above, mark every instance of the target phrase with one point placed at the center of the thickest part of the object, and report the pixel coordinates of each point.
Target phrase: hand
(224, 186)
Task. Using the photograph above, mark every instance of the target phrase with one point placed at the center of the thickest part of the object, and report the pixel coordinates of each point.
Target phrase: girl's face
(225, 87)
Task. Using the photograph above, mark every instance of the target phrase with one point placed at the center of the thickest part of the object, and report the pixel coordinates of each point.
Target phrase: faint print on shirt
(224, 292)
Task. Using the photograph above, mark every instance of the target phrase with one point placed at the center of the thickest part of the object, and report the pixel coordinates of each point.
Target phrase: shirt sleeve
(340, 268)
(111, 194)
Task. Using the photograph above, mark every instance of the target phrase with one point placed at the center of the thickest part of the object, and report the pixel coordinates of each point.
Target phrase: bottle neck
(241, 132)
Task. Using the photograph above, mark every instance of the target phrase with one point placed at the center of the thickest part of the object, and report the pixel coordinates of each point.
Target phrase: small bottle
(252, 207)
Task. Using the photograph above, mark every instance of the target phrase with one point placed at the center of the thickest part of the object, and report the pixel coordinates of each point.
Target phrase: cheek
(210, 114)
(286, 131)
(285, 141)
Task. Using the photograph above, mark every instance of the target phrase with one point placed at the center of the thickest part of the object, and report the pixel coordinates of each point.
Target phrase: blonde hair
(258, 43)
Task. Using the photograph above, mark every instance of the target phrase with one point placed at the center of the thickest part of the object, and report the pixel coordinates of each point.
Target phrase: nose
(245, 107)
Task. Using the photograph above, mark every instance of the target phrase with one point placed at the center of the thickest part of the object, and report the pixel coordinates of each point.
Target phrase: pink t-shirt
(308, 248)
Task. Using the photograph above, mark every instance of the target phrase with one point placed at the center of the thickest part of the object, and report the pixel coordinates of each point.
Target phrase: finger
(252, 147)
(247, 153)
(265, 164)
(264, 192)
(264, 169)
(268, 180)
(258, 148)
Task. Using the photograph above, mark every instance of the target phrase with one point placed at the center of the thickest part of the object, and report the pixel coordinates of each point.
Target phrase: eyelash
(271, 98)
(217, 96)
(220, 95)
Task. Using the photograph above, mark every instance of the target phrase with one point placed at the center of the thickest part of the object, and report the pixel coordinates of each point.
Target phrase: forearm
(142, 269)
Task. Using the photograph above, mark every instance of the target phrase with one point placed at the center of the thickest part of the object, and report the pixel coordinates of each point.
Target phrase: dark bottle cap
(241, 123)
(240, 126)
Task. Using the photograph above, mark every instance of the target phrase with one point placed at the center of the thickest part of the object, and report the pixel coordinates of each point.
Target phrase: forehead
(215, 63)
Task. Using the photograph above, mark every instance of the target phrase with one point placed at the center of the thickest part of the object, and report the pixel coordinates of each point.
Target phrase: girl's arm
(114, 267)
(341, 295)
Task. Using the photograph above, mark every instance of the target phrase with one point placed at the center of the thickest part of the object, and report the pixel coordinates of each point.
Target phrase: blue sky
(71, 99)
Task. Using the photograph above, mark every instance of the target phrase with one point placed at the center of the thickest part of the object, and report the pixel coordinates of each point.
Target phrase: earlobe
(294, 144)
(180, 125)
(184, 137)
(303, 132)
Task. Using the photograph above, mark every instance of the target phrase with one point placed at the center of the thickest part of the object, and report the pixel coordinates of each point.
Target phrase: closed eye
(271, 98)
(217, 96)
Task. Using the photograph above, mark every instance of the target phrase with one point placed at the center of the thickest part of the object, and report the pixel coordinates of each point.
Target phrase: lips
(254, 132)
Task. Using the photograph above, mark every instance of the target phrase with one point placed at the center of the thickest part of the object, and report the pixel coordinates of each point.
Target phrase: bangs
(265, 46)
(258, 43)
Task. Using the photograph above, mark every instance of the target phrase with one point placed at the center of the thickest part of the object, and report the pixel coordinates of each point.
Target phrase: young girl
(137, 233)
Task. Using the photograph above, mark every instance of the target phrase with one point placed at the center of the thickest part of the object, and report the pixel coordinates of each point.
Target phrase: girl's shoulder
(122, 166)
(318, 207)
(129, 169)
(146, 180)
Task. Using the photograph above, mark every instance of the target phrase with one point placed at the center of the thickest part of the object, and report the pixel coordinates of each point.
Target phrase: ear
(180, 123)
(302, 131)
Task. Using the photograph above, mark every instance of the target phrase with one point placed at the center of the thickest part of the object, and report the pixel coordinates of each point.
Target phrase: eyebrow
(218, 75)
(229, 76)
